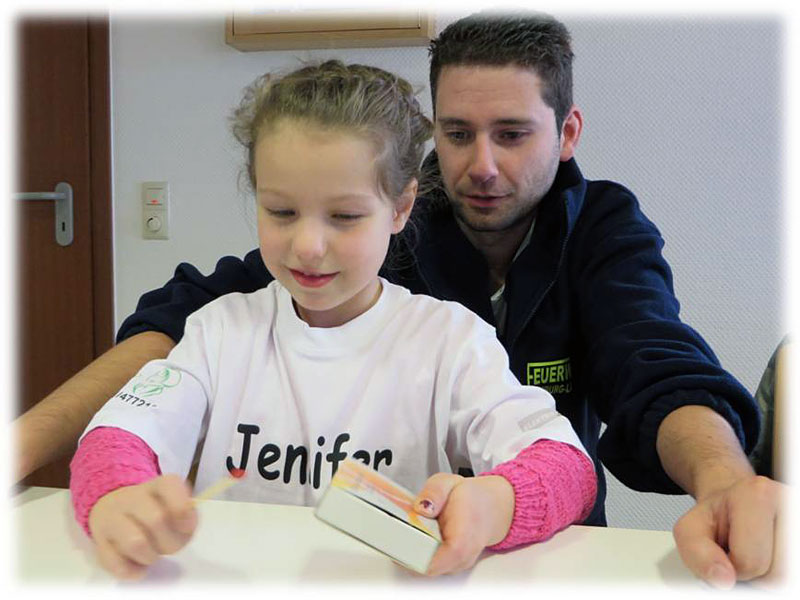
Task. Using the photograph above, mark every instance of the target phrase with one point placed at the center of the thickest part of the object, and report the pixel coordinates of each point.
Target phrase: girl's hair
(366, 101)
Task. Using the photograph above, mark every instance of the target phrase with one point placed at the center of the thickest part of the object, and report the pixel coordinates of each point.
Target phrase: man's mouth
(312, 279)
(484, 200)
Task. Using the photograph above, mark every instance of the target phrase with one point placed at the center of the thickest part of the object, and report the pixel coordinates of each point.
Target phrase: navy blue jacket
(591, 316)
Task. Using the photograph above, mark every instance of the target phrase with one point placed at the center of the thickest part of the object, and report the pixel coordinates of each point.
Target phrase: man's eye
(513, 136)
(457, 137)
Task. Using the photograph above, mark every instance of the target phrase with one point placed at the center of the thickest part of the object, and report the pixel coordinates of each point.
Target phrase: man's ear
(571, 133)
(403, 206)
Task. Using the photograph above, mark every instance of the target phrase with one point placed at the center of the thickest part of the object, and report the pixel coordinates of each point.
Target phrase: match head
(237, 473)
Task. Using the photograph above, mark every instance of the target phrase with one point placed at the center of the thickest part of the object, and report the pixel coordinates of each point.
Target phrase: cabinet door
(280, 30)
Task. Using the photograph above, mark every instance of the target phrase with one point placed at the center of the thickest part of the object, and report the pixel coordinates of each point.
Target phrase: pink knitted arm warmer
(107, 458)
(555, 485)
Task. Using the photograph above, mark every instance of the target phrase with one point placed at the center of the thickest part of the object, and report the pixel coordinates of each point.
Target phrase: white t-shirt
(413, 386)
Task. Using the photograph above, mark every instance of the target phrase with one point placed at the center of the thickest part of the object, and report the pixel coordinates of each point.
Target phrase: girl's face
(323, 226)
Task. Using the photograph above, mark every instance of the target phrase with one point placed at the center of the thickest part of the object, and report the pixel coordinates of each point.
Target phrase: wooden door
(64, 292)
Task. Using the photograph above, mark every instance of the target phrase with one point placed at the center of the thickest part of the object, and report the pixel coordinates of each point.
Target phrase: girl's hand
(133, 525)
(473, 513)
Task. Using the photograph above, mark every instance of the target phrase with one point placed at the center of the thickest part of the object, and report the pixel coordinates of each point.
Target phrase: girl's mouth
(312, 280)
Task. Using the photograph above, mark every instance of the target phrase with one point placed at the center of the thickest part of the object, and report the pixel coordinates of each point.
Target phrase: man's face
(497, 144)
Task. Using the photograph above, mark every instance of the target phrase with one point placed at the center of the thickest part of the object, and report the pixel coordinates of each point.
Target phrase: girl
(330, 360)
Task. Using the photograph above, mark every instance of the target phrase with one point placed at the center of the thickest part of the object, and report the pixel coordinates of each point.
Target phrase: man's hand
(736, 534)
(473, 513)
(735, 531)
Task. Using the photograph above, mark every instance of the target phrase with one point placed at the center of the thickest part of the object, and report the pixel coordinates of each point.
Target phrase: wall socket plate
(155, 210)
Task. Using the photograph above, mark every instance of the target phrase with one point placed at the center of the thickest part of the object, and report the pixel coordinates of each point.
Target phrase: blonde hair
(366, 101)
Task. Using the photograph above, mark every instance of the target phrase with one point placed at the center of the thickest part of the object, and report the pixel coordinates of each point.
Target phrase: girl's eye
(280, 213)
(347, 217)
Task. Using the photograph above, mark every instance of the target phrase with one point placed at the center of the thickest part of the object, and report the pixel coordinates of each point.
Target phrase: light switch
(155, 210)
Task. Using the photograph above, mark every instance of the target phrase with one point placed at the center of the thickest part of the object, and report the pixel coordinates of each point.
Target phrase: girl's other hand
(472, 512)
(133, 525)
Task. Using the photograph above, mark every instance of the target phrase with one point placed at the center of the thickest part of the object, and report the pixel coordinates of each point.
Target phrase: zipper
(549, 287)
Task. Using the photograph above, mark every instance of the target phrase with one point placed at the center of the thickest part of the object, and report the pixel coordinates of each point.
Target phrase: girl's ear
(403, 206)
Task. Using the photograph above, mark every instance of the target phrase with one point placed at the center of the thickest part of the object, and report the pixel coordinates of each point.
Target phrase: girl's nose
(309, 243)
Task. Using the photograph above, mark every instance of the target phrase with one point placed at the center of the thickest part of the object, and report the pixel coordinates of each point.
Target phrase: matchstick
(219, 486)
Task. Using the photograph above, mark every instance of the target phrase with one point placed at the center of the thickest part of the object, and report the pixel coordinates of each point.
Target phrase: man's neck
(498, 248)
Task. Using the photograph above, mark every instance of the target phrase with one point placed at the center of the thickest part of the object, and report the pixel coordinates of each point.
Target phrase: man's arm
(735, 530)
(50, 430)
(642, 362)
(677, 421)
(700, 452)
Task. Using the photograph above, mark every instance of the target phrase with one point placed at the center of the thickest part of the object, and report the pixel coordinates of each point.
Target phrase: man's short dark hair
(530, 40)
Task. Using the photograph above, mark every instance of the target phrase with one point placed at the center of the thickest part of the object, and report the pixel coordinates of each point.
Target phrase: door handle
(63, 198)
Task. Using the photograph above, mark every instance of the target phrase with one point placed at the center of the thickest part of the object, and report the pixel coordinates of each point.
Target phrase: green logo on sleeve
(555, 376)
(156, 383)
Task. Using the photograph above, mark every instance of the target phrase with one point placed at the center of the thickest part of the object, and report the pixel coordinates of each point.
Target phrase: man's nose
(483, 167)
(309, 243)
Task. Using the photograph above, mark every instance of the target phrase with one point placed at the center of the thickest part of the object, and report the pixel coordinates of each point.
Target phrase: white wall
(687, 113)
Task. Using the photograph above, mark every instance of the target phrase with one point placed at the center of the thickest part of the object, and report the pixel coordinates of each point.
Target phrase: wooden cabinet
(273, 30)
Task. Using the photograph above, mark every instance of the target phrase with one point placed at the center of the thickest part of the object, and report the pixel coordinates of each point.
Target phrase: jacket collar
(535, 270)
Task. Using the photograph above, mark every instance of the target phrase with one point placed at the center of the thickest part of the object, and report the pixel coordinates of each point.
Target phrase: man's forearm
(50, 429)
(699, 451)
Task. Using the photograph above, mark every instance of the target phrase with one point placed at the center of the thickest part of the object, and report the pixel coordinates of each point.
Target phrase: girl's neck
(344, 313)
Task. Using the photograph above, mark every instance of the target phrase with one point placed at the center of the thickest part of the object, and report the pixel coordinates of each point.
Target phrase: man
(569, 271)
